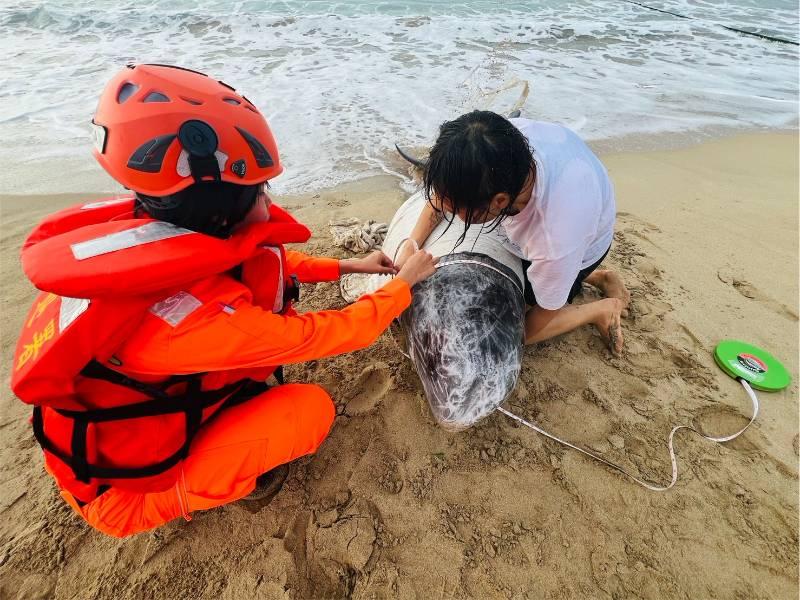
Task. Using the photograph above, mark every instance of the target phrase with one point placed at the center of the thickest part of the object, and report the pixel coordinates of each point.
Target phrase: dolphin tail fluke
(417, 162)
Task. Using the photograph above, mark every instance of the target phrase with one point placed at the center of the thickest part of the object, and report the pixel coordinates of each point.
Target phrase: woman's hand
(375, 262)
(428, 219)
(406, 250)
(418, 267)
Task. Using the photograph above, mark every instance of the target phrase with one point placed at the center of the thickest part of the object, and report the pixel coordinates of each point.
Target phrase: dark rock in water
(465, 330)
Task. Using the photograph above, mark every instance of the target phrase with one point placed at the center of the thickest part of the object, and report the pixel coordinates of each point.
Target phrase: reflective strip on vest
(71, 309)
(277, 306)
(144, 234)
(176, 308)
(102, 203)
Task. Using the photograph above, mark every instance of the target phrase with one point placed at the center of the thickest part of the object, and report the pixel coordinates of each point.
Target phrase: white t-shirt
(569, 221)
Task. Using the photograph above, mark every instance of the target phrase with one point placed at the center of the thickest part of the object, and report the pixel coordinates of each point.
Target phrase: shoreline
(73, 173)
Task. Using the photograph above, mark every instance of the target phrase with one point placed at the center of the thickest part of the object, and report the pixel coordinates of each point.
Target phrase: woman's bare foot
(608, 322)
(612, 286)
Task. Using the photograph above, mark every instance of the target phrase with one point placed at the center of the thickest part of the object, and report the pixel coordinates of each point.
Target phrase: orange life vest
(100, 270)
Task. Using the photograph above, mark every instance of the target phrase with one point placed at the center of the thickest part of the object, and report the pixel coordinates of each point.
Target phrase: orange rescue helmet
(159, 129)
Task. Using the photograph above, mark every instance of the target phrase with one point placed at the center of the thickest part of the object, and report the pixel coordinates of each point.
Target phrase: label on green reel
(756, 366)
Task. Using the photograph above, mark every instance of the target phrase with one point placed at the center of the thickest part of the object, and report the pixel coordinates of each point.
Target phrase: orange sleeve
(310, 269)
(250, 337)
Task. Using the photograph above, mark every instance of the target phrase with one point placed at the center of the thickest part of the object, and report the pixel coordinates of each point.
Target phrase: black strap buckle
(200, 140)
(292, 292)
(80, 459)
(203, 167)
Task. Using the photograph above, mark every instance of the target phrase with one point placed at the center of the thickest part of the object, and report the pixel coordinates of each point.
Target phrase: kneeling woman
(555, 203)
(161, 315)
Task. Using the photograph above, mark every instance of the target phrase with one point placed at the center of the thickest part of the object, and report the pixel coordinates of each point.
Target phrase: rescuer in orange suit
(161, 315)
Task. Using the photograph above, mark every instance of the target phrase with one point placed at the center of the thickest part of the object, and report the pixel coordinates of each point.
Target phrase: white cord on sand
(650, 486)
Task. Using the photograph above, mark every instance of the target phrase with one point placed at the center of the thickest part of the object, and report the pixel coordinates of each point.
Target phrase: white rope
(491, 95)
(648, 485)
(357, 237)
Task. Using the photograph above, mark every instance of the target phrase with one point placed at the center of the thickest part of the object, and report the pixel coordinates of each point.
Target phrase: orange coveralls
(228, 333)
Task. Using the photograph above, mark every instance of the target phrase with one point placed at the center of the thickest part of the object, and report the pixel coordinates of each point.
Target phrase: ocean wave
(343, 80)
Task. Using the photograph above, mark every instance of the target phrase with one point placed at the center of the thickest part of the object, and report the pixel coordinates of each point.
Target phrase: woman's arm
(428, 219)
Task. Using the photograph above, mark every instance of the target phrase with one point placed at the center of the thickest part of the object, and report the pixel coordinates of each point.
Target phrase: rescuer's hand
(375, 262)
(418, 267)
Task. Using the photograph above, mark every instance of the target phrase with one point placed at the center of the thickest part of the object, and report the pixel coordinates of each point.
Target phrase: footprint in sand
(369, 389)
(649, 314)
(572, 378)
(338, 202)
(721, 420)
(646, 225)
(647, 269)
(340, 551)
(748, 290)
(642, 236)
(638, 228)
(691, 341)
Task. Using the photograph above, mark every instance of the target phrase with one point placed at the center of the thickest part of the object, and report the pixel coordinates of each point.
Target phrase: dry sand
(393, 507)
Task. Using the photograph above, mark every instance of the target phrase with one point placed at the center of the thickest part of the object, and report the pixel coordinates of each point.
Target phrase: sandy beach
(394, 507)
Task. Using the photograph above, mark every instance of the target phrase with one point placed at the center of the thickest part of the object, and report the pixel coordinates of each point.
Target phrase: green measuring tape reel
(756, 366)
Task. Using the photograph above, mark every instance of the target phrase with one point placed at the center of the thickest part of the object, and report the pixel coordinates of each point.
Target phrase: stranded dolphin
(465, 326)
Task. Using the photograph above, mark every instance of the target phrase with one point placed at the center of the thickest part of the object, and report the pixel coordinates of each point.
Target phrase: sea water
(341, 82)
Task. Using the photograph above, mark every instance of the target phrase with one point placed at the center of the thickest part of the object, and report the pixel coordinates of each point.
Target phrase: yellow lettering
(40, 308)
(39, 338)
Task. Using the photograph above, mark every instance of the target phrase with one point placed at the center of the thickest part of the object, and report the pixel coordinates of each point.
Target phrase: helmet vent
(191, 101)
(156, 97)
(249, 105)
(233, 101)
(263, 159)
(127, 90)
(150, 155)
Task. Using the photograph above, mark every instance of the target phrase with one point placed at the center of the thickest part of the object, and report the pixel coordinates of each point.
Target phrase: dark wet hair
(476, 156)
(213, 208)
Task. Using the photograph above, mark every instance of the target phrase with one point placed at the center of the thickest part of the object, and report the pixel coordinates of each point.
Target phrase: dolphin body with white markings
(464, 329)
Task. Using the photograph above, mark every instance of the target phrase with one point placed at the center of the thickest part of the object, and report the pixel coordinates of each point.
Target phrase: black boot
(268, 485)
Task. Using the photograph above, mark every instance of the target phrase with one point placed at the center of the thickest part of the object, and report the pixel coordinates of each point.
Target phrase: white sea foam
(341, 82)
